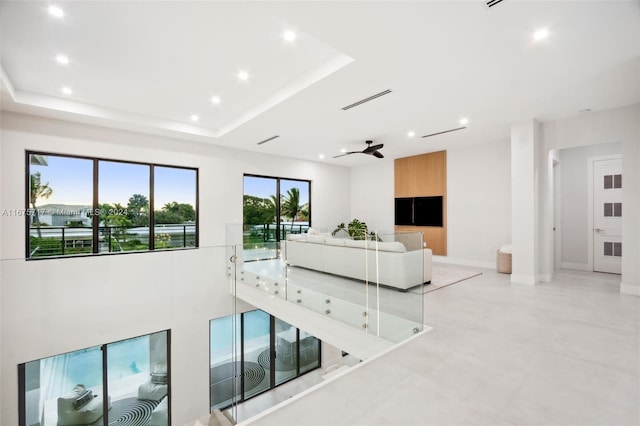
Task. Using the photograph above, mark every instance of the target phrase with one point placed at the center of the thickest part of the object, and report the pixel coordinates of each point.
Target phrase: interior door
(607, 216)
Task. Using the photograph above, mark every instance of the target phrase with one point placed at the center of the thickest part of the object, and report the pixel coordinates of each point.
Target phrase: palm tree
(291, 204)
(38, 190)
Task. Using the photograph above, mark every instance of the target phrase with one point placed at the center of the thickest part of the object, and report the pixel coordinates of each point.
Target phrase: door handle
(598, 229)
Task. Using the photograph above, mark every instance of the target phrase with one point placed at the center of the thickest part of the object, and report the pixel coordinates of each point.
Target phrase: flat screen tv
(427, 211)
(404, 211)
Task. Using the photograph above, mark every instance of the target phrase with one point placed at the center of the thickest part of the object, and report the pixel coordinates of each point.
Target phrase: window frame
(278, 195)
(22, 401)
(95, 205)
(239, 318)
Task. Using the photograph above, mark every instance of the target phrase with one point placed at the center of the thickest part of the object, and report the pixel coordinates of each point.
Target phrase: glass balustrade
(374, 284)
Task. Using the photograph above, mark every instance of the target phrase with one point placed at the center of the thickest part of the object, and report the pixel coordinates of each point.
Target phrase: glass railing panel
(395, 311)
(374, 284)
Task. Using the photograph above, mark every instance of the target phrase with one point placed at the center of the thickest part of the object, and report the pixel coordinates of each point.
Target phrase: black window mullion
(152, 233)
(278, 210)
(22, 395)
(105, 387)
(272, 351)
(241, 372)
(297, 352)
(197, 208)
(95, 217)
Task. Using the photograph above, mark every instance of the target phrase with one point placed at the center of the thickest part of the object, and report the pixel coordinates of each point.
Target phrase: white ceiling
(149, 65)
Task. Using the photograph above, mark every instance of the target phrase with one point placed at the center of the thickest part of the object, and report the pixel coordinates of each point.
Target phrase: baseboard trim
(576, 266)
(464, 262)
(523, 279)
(631, 289)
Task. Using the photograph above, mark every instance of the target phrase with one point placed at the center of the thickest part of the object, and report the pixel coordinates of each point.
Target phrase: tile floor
(559, 353)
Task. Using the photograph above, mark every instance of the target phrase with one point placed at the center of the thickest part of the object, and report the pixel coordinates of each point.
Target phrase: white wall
(478, 200)
(574, 202)
(54, 306)
(616, 125)
(372, 192)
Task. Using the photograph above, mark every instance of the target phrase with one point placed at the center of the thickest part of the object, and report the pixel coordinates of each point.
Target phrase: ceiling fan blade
(347, 153)
(370, 149)
(378, 154)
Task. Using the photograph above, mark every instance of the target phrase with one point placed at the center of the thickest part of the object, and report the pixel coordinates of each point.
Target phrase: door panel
(607, 216)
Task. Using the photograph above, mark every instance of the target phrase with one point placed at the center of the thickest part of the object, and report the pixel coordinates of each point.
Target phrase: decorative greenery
(290, 204)
(356, 229)
(38, 190)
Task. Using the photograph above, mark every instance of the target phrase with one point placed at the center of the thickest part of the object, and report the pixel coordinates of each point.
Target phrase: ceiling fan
(369, 150)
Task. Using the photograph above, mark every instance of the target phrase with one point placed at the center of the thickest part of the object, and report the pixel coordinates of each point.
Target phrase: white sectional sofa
(396, 267)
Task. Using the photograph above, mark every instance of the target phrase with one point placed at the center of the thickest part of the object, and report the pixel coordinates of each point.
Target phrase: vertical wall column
(525, 161)
(631, 220)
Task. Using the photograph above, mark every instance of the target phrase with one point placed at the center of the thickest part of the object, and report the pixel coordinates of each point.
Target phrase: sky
(71, 180)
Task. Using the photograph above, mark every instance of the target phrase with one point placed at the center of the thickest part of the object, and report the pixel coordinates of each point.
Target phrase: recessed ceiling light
(289, 36)
(464, 121)
(195, 118)
(67, 90)
(63, 60)
(215, 100)
(541, 34)
(411, 133)
(321, 156)
(56, 11)
(243, 75)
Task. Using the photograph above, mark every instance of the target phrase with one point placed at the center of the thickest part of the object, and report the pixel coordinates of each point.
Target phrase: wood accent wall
(423, 176)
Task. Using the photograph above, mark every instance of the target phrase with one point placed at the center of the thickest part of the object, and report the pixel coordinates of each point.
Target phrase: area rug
(223, 378)
(264, 359)
(445, 275)
(131, 412)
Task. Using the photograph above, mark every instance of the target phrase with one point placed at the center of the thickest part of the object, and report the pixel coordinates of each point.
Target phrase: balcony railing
(381, 293)
(63, 240)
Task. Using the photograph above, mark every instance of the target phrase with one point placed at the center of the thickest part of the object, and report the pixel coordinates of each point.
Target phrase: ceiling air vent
(444, 131)
(493, 2)
(269, 139)
(370, 98)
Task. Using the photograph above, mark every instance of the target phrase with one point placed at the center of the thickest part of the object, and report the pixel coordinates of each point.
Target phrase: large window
(69, 389)
(272, 208)
(254, 352)
(87, 205)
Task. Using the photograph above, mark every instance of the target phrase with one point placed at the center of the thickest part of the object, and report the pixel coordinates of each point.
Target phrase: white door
(607, 216)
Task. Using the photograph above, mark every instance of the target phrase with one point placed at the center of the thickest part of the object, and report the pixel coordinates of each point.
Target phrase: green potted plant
(356, 229)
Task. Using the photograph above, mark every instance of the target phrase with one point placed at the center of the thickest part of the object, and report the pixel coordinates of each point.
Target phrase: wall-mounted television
(404, 211)
(419, 211)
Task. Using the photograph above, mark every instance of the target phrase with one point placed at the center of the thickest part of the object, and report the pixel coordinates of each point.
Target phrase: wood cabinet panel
(422, 176)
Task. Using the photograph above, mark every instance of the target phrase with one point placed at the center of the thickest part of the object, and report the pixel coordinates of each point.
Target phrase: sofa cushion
(336, 241)
(394, 246)
(341, 233)
(158, 378)
(297, 237)
(313, 231)
(152, 391)
(70, 412)
(358, 243)
(317, 239)
(83, 399)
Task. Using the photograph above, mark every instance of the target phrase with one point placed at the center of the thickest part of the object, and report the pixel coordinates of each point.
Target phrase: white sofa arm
(426, 264)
